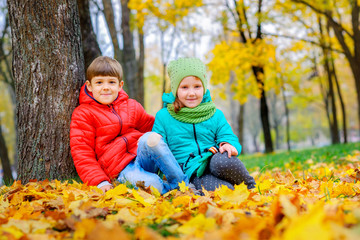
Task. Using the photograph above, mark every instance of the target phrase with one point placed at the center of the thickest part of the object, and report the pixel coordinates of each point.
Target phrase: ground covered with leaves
(304, 201)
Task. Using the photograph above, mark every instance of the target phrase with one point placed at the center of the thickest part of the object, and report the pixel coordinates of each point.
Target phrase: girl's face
(190, 91)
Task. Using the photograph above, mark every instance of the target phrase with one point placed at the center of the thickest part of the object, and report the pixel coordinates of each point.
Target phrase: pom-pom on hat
(184, 67)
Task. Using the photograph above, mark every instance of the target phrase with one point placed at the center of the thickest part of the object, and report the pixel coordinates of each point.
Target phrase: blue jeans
(150, 158)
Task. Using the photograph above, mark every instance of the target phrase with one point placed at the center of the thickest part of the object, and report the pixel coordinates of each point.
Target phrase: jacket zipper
(127, 146)
(117, 115)
(196, 140)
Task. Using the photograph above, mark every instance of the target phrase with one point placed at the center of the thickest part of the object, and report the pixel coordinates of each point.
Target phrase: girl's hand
(106, 188)
(226, 147)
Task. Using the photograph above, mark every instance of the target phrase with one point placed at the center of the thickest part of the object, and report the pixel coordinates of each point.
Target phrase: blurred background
(283, 72)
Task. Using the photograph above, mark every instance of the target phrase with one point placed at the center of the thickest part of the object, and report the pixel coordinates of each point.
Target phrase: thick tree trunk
(90, 45)
(48, 71)
(130, 63)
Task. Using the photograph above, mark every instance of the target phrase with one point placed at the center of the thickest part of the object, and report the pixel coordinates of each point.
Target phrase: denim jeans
(147, 164)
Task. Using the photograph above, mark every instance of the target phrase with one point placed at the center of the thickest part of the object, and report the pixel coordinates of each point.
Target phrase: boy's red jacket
(103, 138)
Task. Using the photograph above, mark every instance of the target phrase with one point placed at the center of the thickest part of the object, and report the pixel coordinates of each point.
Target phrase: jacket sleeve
(224, 132)
(82, 144)
(144, 120)
(159, 126)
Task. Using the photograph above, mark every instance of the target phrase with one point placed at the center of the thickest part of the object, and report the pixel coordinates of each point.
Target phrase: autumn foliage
(320, 202)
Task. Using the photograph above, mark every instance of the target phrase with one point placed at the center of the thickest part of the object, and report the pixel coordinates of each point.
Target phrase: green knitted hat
(184, 67)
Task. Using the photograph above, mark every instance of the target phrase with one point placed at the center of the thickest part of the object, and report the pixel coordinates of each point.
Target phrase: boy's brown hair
(104, 66)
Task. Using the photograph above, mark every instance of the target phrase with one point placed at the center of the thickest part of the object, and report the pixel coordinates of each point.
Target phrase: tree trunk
(334, 129)
(257, 71)
(241, 124)
(342, 104)
(140, 74)
(264, 110)
(48, 70)
(287, 117)
(130, 63)
(110, 21)
(334, 75)
(90, 45)
(5, 162)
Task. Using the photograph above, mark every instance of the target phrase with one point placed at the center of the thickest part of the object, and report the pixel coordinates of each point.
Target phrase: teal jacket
(188, 142)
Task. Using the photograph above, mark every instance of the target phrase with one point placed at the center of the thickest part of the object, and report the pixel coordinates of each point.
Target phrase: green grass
(323, 154)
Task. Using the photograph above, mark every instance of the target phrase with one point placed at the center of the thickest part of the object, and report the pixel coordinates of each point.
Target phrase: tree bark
(90, 45)
(48, 70)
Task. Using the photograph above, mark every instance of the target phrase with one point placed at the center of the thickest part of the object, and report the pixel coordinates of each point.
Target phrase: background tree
(4, 157)
(255, 44)
(6, 77)
(346, 30)
(48, 72)
(132, 63)
(90, 45)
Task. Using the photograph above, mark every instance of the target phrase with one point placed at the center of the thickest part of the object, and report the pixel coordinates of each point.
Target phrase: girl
(197, 133)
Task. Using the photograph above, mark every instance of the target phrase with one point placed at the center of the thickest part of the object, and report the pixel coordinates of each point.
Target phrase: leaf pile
(321, 202)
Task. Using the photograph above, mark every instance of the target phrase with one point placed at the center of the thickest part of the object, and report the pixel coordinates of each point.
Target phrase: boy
(106, 127)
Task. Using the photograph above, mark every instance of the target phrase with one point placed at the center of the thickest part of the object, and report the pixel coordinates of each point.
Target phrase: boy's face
(105, 89)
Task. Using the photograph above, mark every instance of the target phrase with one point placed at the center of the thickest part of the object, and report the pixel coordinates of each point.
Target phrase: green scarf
(198, 114)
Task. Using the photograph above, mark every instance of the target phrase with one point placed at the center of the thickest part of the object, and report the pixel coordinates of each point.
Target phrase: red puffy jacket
(103, 138)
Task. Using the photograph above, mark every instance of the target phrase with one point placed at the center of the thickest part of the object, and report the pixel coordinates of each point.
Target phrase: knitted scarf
(198, 114)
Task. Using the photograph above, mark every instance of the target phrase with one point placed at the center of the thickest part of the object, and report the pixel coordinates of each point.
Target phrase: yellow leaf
(119, 190)
(309, 226)
(140, 198)
(197, 226)
(183, 201)
(236, 196)
(183, 187)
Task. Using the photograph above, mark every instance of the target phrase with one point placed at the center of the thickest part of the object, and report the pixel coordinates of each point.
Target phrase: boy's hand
(231, 150)
(106, 188)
